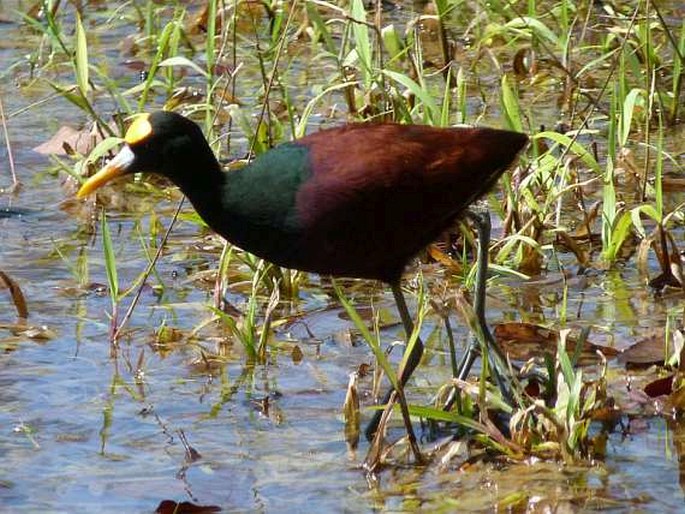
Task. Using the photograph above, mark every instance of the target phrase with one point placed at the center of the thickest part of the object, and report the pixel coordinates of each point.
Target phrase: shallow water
(87, 427)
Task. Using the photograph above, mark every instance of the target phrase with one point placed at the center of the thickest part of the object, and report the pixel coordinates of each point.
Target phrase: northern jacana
(359, 201)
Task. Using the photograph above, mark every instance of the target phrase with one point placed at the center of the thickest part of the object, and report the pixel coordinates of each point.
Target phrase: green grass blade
(608, 209)
(575, 147)
(161, 51)
(301, 126)
(180, 61)
(510, 106)
(633, 98)
(362, 43)
(81, 57)
(431, 108)
(110, 259)
(373, 342)
(659, 171)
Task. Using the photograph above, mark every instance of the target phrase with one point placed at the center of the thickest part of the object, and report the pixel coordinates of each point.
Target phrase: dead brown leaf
(67, 140)
(523, 341)
(647, 352)
(16, 295)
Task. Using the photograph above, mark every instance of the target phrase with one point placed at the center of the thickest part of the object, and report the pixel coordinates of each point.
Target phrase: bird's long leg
(417, 351)
(481, 220)
(411, 363)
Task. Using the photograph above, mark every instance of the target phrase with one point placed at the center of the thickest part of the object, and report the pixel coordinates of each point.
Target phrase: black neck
(195, 170)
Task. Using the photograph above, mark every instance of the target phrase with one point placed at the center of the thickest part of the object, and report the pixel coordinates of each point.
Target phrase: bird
(359, 200)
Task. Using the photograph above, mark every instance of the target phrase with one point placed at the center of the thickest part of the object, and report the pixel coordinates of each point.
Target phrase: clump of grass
(247, 329)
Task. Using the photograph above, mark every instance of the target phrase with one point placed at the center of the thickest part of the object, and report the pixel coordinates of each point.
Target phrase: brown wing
(379, 193)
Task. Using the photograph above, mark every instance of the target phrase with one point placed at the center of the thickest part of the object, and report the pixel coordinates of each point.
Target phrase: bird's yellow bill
(114, 168)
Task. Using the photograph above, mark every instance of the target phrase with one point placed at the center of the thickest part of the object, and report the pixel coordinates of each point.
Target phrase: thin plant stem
(150, 267)
(10, 156)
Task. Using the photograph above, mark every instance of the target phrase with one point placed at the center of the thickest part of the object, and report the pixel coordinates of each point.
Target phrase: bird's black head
(161, 142)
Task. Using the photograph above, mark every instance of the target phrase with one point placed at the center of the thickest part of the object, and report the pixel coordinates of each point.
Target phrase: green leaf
(447, 417)
(318, 23)
(649, 211)
(110, 259)
(620, 232)
(103, 148)
(180, 61)
(573, 146)
(362, 43)
(391, 41)
(632, 98)
(536, 27)
(446, 100)
(380, 355)
(162, 47)
(81, 57)
(70, 94)
(510, 105)
(420, 92)
(309, 108)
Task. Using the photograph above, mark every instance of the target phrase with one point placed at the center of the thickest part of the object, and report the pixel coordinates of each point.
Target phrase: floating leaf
(523, 341)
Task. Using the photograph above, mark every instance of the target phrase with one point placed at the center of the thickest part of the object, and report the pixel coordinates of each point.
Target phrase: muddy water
(86, 427)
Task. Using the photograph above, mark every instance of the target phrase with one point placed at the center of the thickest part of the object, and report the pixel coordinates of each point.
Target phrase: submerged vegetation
(599, 89)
